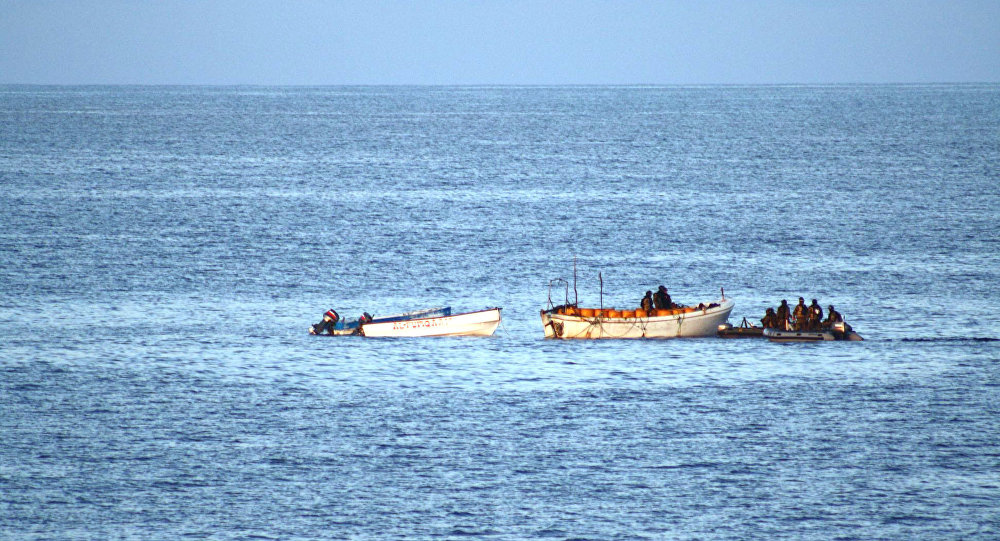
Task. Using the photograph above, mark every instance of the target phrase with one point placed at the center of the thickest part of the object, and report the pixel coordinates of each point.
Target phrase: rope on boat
(599, 322)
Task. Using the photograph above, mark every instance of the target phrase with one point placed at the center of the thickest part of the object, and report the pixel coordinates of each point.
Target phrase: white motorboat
(569, 321)
(351, 326)
(479, 323)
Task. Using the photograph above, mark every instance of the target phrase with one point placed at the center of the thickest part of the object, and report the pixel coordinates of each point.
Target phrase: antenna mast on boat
(576, 296)
(601, 279)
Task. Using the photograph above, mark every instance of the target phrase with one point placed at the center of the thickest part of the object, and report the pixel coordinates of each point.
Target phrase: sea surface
(163, 251)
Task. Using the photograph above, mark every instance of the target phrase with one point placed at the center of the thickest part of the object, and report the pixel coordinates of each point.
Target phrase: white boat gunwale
(687, 324)
(475, 323)
(347, 327)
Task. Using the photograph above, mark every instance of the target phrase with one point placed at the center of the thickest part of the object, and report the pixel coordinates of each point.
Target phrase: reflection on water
(165, 250)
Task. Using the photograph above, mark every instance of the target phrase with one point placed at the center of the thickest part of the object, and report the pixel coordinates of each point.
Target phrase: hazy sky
(498, 42)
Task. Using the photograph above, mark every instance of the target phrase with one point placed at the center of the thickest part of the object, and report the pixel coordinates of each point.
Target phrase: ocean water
(164, 249)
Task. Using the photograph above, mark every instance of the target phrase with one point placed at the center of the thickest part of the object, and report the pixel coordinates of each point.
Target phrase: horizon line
(490, 85)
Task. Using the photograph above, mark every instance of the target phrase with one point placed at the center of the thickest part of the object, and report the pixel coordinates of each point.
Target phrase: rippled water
(164, 250)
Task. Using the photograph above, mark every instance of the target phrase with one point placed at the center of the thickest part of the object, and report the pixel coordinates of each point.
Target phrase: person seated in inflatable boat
(833, 317)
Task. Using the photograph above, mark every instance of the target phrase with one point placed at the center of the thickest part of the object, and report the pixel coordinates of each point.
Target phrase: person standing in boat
(662, 299)
(800, 315)
(330, 318)
(815, 315)
(770, 320)
(647, 302)
(783, 315)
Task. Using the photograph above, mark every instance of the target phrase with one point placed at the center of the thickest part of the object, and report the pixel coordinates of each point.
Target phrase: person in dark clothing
(770, 319)
(800, 315)
(832, 316)
(330, 318)
(783, 315)
(647, 302)
(662, 299)
(815, 315)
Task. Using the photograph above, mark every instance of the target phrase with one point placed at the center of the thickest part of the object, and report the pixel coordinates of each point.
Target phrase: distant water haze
(521, 42)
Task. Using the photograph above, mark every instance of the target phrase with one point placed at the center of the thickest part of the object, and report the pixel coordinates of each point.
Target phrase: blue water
(164, 249)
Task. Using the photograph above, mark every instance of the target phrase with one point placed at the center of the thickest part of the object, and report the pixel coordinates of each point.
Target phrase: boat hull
(692, 324)
(826, 335)
(481, 323)
(728, 331)
(350, 326)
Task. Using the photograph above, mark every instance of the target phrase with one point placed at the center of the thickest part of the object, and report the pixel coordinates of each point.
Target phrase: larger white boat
(569, 321)
(480, 323)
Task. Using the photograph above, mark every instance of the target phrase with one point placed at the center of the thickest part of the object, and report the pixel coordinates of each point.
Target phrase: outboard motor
(330, 318)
